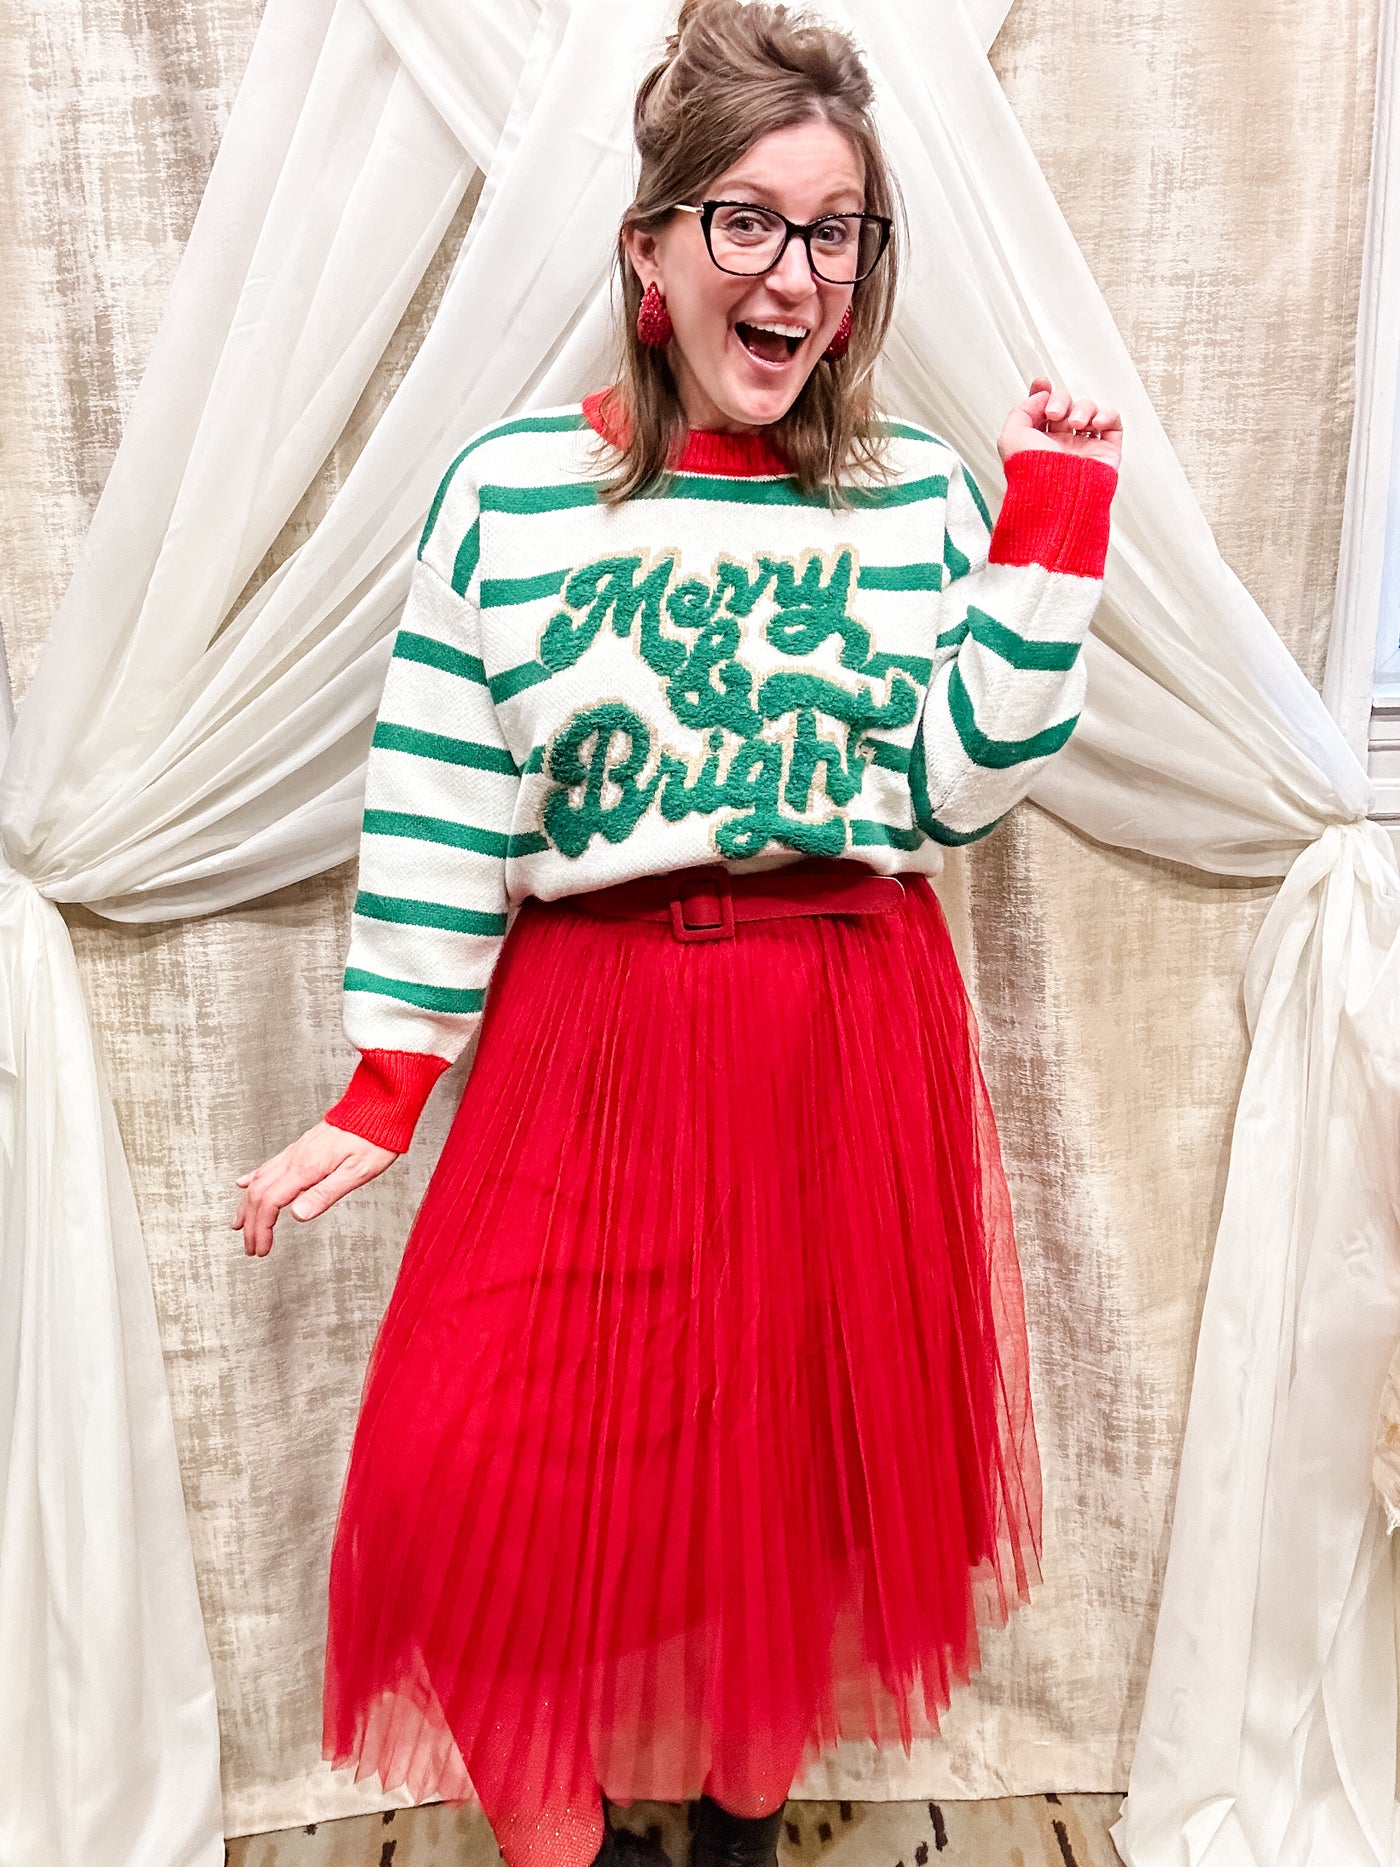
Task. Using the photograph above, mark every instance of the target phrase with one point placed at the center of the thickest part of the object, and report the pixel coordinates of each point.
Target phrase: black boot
(622, 1848)
(719, 1839)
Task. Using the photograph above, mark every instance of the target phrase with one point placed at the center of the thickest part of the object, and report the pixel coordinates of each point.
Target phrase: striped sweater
(720, 670)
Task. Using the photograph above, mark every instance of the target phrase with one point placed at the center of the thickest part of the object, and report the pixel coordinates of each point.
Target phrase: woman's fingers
(1069, 416)
(1074, 416)
(260, 1217)
(1063, 414)
(310, 1175)
(340, 1180)
(1056, 400)
(1056, 412)
(270, 1187)
(1055, 418)
(286, 1191)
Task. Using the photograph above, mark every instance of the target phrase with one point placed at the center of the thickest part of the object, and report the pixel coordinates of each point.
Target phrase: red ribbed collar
(705, 450)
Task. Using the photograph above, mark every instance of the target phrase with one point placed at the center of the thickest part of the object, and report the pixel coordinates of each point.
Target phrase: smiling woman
(748, 240)
(791, 148)
(737, 276)
(697, 1434)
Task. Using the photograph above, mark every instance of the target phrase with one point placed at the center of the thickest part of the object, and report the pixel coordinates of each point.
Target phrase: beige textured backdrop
(1213, 163)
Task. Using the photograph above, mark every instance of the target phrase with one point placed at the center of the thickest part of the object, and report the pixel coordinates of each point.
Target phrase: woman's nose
(793, 272)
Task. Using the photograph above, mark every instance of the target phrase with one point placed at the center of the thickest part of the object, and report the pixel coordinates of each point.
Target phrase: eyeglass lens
(747, 239)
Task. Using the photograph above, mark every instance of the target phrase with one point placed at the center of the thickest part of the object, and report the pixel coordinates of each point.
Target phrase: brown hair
(735, 70)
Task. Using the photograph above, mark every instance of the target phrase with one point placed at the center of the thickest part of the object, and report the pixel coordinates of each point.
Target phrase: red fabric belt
(706, 902)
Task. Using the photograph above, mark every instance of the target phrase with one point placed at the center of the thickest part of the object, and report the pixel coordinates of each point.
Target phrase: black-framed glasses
(743, 238)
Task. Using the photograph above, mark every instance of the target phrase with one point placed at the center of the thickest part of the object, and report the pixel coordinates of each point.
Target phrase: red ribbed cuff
(385, 1096)
(1055, 512)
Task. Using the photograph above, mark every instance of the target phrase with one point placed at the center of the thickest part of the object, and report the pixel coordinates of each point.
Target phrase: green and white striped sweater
(724, 671)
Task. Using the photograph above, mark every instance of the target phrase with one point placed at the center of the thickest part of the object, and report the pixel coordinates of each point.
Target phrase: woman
(697, 1433)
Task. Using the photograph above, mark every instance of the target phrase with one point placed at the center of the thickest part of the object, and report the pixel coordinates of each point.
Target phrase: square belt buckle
(715, 902)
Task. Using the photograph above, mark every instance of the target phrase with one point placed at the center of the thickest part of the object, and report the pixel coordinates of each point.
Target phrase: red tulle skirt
(697, 1433)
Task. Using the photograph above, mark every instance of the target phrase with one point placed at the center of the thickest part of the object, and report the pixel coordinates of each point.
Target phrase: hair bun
(693, 10)
(733, 72)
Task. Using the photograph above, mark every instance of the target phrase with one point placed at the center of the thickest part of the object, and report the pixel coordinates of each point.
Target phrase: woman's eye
(745, 224)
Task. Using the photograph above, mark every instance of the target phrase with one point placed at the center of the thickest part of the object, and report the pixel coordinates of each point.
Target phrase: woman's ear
(641, 250)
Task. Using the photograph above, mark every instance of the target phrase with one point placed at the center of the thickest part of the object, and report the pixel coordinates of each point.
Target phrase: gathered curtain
(179, 752)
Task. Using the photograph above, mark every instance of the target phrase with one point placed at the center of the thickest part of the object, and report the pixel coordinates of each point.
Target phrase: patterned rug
(1019, 1831)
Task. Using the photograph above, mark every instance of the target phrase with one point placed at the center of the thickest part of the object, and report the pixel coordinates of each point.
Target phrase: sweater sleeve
(1008, 678)
(430, 913)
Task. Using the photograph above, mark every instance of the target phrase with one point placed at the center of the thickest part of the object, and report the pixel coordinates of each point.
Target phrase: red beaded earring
(840, 337)
(653, 319)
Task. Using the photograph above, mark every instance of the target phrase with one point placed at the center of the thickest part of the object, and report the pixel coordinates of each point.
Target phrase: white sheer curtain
(168, 762)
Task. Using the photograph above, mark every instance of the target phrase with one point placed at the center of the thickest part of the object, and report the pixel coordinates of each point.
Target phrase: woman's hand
(310, 1175)
(1050, 417)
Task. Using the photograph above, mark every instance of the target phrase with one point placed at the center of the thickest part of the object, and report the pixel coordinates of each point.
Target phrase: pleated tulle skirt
(697, 1433)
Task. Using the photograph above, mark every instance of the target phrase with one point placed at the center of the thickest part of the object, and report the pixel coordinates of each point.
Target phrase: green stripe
(720, 488)
(438, 498)
(905, 492)
(892, 757)
(923, 805)
(530, 424)
(900, 577)
(1019, 650)
(977, 498)
(954, 839)
(739, 491)
(410, 646)
(910, 431)
(782, 492)
(519, 424)
(429, 997)
(435, 830)
(467, 554)
(955, 563)
(455, 835)
(537, 498)
(496, 592)
(434, 654)
(866, 830)
(437, 745)
(409, 912)
(998, 754)
(515, 680)
(535, 762)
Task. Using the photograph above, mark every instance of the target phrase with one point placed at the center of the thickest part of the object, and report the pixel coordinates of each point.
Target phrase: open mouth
(769, 343)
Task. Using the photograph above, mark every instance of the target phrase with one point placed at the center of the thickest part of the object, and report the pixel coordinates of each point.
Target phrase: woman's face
(804, 170)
